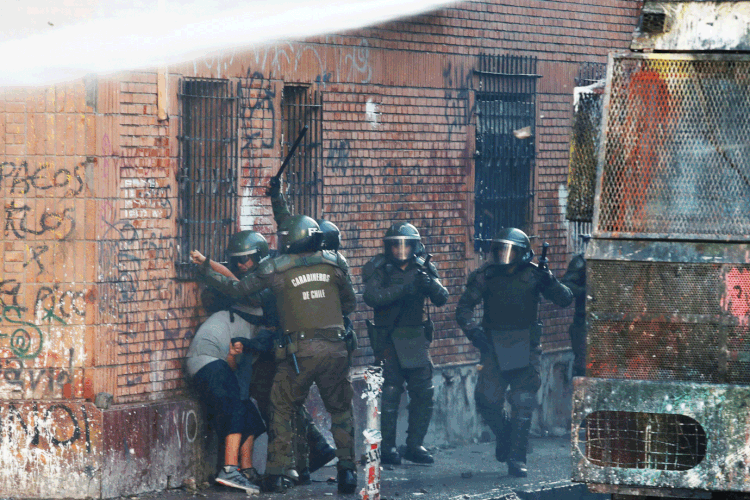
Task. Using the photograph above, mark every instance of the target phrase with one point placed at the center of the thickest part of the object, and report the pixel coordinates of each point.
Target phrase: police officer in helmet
(313, 291)
(331, 235)
(397, 283)
(511, 287)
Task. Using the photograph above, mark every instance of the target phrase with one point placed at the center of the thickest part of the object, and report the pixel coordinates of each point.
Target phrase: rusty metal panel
(676, 161)
(642, 434)
(693, 25)
(673, 311)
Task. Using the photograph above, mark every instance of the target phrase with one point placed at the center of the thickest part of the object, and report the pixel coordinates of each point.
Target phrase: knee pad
(424, 396)
(523, 400)
(391, 396)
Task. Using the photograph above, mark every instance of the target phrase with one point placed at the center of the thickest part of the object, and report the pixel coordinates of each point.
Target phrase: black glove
(274, 186)
(546, 277)
(423, 282)
(348, 326)
(479, 340)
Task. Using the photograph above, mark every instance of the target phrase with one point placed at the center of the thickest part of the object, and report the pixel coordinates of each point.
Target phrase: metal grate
(638, 440)
(669, 321)
(302, 106)
(677, 160)
(208, 177)
(505, 145)
(584, 152)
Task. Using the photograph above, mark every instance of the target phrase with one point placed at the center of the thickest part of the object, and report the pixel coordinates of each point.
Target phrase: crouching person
(217, 370)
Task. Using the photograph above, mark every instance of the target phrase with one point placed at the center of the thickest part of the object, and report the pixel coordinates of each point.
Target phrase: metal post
(373, 383)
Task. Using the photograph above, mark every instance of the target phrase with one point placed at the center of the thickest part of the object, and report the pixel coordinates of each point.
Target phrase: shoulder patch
(373, 265)
(267, 266)
(475, 278)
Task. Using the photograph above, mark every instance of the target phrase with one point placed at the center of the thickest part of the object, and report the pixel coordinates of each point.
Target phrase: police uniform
(575, 279)
(509, 337)
(313, 291)
(400, 342)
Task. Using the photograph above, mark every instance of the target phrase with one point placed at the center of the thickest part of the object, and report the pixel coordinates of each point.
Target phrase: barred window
(301, 105)
(208, 176)
(504, 166)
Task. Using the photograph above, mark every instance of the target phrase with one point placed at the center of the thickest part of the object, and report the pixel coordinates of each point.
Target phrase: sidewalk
(461, 473)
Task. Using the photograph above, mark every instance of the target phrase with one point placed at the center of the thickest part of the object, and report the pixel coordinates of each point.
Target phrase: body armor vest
(309, 299)
(510, 302)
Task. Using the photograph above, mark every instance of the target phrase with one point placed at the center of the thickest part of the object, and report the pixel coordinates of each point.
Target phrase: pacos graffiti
(45, 427)
(22, 179)
(53, 224)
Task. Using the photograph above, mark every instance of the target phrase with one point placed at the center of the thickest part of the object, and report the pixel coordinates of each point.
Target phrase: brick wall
(91, 196)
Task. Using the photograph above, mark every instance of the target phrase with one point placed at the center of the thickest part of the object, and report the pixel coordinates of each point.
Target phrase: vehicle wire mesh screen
(677, 154)
(638, 440)
(668, 321)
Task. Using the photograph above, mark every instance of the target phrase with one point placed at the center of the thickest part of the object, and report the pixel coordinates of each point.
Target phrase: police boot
(419, 455)
(320, 451)
(276, 484)
(391, 398)
(303, 478)
(420, 414)
(347, 481)
(519, 443)
(501, 429)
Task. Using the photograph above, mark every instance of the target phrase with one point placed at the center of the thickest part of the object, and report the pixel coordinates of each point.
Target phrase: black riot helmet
(246, 245)
(331, 235)
(511, 247)
(402, 242)
(299, 234)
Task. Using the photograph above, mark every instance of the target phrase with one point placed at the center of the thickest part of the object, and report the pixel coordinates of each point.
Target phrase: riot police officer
(313, 291)
(511, 287)
(245, 250)
(396, 285)
(575, 279)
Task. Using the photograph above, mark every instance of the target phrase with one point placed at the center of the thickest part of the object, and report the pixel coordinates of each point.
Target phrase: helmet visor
(505, 253)
(401, 249)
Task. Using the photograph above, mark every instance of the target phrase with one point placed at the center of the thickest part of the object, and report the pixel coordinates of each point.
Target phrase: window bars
(504, 166)
(208, 176)
(301, 105)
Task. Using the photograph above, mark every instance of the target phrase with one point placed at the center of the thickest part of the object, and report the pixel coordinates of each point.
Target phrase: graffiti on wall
(49, 449)
(457, 83)
(351, 64)
(257, 104)
(40, 324)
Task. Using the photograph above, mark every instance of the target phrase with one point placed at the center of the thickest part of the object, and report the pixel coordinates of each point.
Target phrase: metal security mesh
(677, 154)
(584, 142)
(669, 321)
(638, 440)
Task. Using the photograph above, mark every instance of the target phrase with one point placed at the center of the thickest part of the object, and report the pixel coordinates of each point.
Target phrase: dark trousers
(219, 392)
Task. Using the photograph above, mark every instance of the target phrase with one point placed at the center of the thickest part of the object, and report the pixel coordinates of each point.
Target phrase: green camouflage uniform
(313, 292)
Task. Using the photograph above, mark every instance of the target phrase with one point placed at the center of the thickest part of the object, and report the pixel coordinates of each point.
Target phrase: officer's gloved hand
(479, 340)
(546, 277)
(274, 186)
(423, 282)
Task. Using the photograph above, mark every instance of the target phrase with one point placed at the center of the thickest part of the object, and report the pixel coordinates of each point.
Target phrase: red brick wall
(119, 164)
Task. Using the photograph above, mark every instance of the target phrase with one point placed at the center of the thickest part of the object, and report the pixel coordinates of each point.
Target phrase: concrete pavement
(468, 472)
